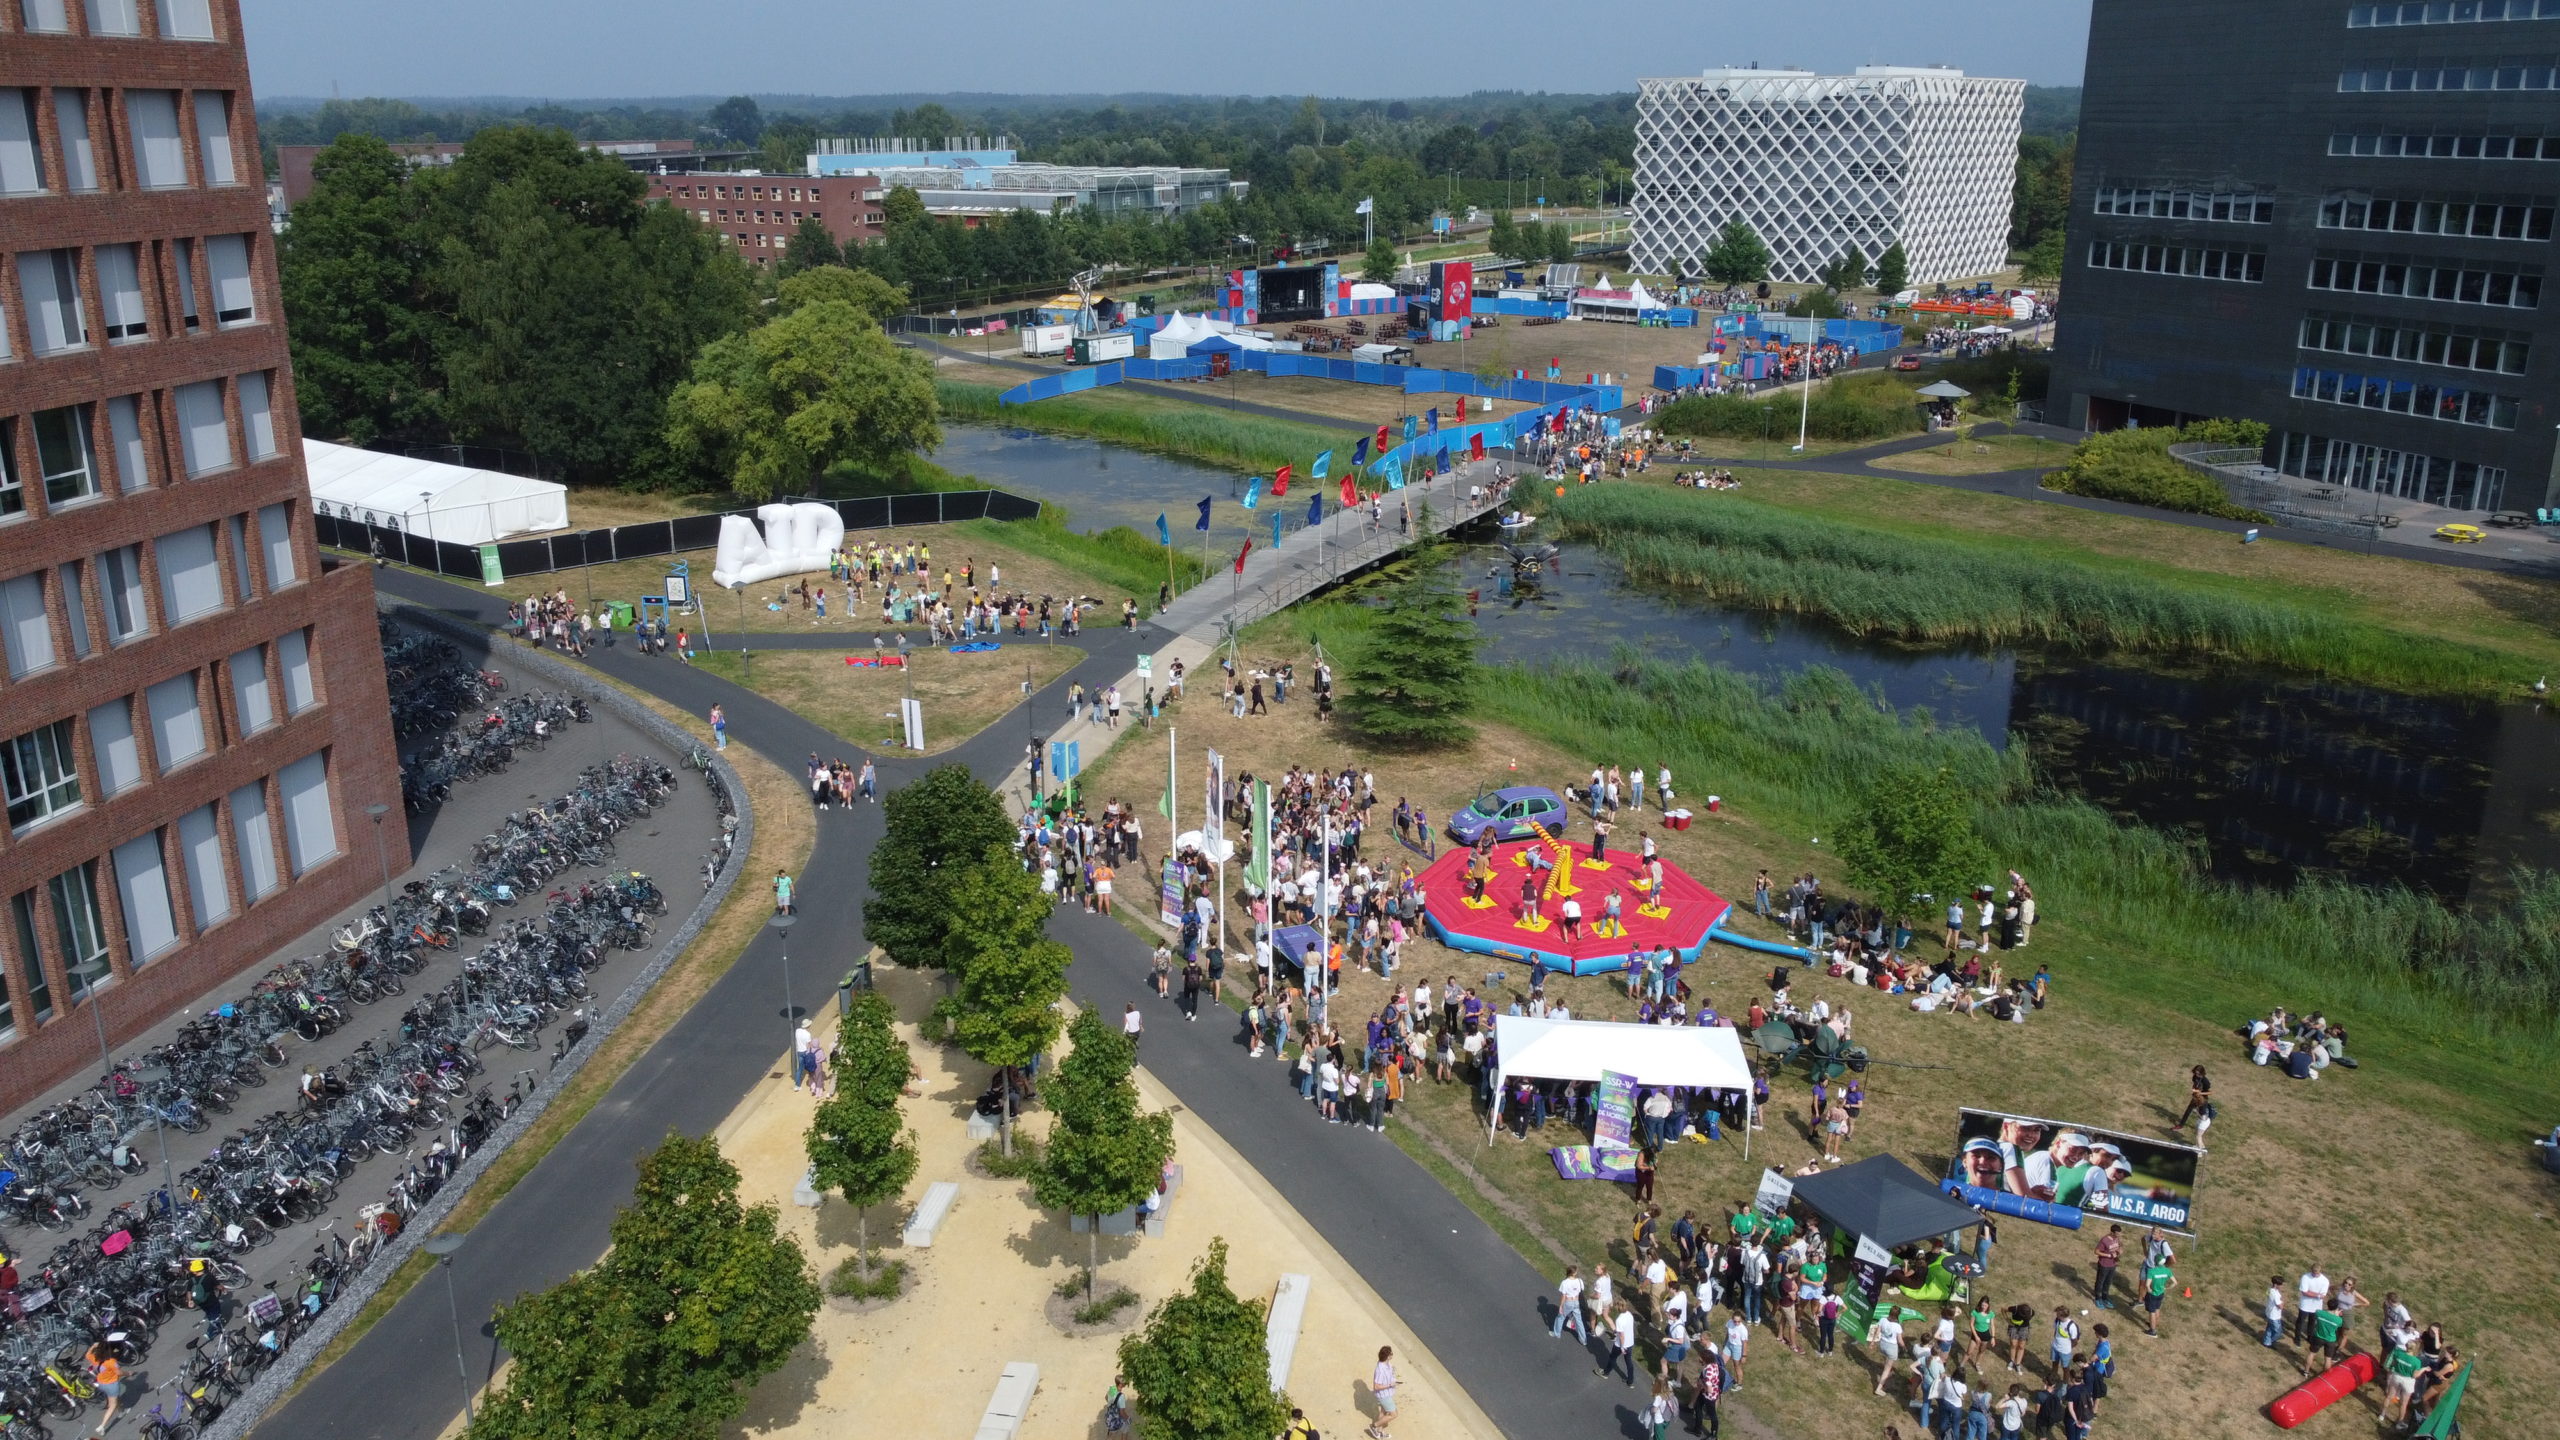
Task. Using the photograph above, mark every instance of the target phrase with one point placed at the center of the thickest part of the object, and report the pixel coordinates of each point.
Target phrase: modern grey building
(1821, 164)
(2334, 218)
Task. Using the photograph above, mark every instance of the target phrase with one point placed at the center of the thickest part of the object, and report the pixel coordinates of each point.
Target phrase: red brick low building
(193, 715)
(759, 212)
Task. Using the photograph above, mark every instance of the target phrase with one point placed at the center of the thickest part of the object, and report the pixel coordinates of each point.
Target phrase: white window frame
(67, 455)
(40, 775)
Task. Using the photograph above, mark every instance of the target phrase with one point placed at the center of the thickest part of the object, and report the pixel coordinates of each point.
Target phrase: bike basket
(30, 1301)
(266, 1310)
(117, 1243)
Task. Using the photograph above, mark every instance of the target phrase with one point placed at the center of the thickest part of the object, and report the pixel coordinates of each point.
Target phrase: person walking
(2156, 1280)
(2199, 1095)
(106, 1371)
(782, 893)
(204, 1292)
(1569, 1306)
(2274, 1312)
(1383, 1386)
(804, 1057)
(1622, 1343)
(719, 728)
(1658, 1412)
(1132, 1024)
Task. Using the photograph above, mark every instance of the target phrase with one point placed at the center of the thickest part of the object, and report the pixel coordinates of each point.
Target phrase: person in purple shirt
(1473, 1009)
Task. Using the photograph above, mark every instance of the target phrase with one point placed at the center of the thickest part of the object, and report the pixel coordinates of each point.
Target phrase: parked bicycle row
(724, 844)
(432, 688)
(486, 744)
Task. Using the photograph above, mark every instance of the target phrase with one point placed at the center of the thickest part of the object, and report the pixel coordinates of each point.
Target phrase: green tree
(351, 270)
(1379, 265)
(1893, 270)
(2042, 264)
(1739, 256)
(1202, 1367)
(699, 1297)
(736, 120)
(1104, 1155)
(809, 247)
(785, 145)
(1559, 242)
(876, 298)
(857, 1140)
(935, 827)
(808, 389)
(1504, 238)
(1913, 834)
(1848, 271)
(902, 207)
(1012, 976)
(1413, 684)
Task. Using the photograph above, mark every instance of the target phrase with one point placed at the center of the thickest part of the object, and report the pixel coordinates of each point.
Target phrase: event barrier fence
(576, 549)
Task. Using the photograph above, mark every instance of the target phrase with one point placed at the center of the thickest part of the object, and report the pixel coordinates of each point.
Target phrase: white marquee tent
(429, 497)
(1705, 1057)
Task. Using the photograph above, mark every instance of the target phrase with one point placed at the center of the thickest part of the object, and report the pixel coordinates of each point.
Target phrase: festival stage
(1690, 909)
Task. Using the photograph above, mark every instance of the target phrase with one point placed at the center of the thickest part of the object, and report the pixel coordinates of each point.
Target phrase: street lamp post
(381, 856)
(426, 508)
(781, 925)
(168, 1179)
(442, 1247)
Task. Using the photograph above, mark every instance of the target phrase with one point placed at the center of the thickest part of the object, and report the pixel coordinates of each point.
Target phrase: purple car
(1508, 813)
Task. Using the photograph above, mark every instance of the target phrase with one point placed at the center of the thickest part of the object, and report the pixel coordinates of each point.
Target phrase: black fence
(656, 537)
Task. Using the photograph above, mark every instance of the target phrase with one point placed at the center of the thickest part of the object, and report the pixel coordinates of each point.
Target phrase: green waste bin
(624, 616)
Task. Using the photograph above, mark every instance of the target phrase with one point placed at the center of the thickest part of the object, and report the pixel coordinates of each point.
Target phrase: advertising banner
(1617, 1107)
(1774, 1193)
(1453, 285)
(1169, 901)
(2131, 1178)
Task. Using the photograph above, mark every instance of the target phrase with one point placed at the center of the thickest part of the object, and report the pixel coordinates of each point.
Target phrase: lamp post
(98, 1013)
(426, 508)
(746, 657)
(382, 857)
(442, 1247)
(781, 925)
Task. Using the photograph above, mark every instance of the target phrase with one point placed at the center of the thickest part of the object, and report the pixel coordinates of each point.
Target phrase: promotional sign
(1617, 1108)
(1146, 666)
(491, 572)
(1213, 796)
(1169, 900)
(1775, 1191)
(1453, 290)
(2132, 1178)
(1257, 867)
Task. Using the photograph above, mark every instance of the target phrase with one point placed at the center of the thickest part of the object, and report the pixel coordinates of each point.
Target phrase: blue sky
(573, 49)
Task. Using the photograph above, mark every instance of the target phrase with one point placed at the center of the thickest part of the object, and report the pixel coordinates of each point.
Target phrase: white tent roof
(1371, 290)
(449, 502)
(1644, 299)
(1698, 1056)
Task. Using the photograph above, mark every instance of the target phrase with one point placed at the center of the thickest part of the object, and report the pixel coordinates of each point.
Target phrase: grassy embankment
(1153, 422)
(1907, 578)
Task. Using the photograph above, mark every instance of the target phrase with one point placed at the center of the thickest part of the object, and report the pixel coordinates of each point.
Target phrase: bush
(868, 1277)
(1104, 1308)
(1861, 405)
(2134, 466)
(1019, 1165)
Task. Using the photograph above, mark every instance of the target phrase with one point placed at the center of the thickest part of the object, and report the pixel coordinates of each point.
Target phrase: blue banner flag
(1164, 532)
(1431, 418)
(1360, 452)
(1395, 478)
(1253, 493)
(1315, 509)
(1275, 531)
(1442, 460)
(1324, 460)
(1204, 514)
(1408, 427)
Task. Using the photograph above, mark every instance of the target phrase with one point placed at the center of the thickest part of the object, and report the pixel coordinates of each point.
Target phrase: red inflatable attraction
(2321, 1391)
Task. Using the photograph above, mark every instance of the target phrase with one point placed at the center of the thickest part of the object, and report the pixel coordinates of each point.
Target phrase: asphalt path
(1473, 1299)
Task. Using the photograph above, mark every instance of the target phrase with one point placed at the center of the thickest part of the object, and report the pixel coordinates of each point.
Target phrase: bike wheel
(59, 1403)
(195, 1123)
(100, 1175)
(53, 1219)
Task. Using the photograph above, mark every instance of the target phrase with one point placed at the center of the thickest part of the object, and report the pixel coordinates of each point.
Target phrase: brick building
(193, 718)
(759, 212)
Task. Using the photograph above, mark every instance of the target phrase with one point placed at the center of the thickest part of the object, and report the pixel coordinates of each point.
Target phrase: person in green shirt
(1782, 1229)
(2326, 1328)
(2400, 1383)
(2156, 1280)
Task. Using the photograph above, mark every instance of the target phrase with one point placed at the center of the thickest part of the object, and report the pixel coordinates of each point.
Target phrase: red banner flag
(1382, 439)
(1350, 491)
(1475, 446)
(1247, 550)
(1280, 482)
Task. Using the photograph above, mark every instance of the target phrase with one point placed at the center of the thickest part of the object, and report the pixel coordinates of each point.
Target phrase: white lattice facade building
(1819, 164)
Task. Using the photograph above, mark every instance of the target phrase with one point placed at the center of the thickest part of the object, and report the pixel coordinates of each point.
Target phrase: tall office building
(1820, 164)
(2333, 218)
(194, 717)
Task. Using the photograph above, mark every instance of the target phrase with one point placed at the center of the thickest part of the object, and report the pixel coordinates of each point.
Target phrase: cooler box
(1676, 820)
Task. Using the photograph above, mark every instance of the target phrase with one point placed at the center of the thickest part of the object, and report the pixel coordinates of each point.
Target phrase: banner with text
(2131, 1178)
(1617, 1110)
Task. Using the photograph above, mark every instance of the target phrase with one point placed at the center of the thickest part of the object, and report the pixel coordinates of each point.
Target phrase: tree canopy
(937, 826)
(1893, 270)
(1739, 256)
(1201, 1367)
(857, 1140)
(818, 384)
(1012, 976)
(1913, 833)
(1413, 683)
(1104, 1155)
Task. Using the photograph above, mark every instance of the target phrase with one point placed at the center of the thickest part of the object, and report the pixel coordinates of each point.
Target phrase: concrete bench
(983, 1127)
(1012, 1401)
(1280, 1330)
(806, 1194)
(935, 1208)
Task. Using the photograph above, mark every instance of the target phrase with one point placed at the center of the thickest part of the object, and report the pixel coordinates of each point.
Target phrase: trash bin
(624, 616)
(857, 978)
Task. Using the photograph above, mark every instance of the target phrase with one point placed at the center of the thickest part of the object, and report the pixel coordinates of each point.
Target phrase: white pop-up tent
(1701, 1057)
(428, 497)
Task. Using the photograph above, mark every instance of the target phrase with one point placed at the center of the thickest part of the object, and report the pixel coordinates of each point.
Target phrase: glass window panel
(119, 754)
(120, 585)
(49, 287)
(233, 301)
(39, 775)
(185, 19)
(208, 877)
(159, 149)
(190, 573)
(21, 156)
(63, 453)
(257, 419)
(177, 720)
(142, 885)
(275, 532)
(254, 838)
(186, 261)
(213, 138)
(120, 293)
(203, 433)
(25, 629)
(310, 829)
(113, 17)
(81, 926)
(22, 908)
(293, 656)
(79, 148)
(124, 428)
(250, 693)
(75, 606)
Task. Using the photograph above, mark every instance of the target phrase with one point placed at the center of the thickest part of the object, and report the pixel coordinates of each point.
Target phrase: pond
(2272, 773)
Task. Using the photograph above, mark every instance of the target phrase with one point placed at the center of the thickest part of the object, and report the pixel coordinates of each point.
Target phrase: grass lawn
(2349, 1171)
(1722, 448)
(1979, 457)
(962, 694)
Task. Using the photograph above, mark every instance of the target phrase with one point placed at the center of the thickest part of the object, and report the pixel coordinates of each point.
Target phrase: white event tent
(428, 497)
(1707, 1057)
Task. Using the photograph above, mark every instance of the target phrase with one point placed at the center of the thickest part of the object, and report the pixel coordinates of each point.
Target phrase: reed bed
(1249, 442)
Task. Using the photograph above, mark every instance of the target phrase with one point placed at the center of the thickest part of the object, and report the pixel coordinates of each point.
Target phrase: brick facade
(758, 213)
(214, 466)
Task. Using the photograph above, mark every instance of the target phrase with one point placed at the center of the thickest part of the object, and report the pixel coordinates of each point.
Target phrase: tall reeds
(1248, 442)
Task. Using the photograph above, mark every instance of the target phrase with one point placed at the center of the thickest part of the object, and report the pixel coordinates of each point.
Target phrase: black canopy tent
(1884, 1200)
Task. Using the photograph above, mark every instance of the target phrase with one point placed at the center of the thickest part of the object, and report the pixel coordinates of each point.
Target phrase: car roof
(1525, 792)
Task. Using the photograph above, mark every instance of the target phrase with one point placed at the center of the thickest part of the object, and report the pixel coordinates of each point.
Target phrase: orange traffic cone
(2188, 1293)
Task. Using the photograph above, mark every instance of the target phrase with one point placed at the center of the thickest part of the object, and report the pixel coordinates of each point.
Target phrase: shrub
(2135, 466)
(1020, 1165)
(1861, 405)
(867, 1277)
(1103, 1309)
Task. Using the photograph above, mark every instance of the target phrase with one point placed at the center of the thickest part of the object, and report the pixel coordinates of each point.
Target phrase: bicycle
(162, 1426)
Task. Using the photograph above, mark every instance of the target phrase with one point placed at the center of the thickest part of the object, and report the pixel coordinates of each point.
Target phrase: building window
(25, 629)
(119, 753)
(202, 431)
(120, 584)
(187, 284)
(2422, 344)
(2343, 211)
(257, 418)
(255, 841)
(50, 282)
(2447, 147)
(39, 775)
(234, 300)
(81, 926)
(124, 429)
(142, 887)
(177, 720)
(2451, 283)
(159, 150)
(46, 17)
(8, 1017)
(190, 573)
(120, 294)
(293, 656)
(2451, 12)
(208, 878)
(2423, 399)
(185, 19)
(250, 693)
(13, 494)
(2404, 474)
(2248, 266)
(79, 151)
(22, 908)
(2437, 75)
(21, 156)
(75, 605)
(113, 17)
(213, 138)
(310, 830)
(275, 532)
(62, 452)
(2236, 207)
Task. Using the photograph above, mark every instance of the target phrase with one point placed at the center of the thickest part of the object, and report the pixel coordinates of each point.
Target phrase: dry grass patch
(1981, 456)
(962, 694)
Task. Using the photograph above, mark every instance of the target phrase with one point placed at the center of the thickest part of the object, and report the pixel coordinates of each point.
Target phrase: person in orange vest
(1332, 967)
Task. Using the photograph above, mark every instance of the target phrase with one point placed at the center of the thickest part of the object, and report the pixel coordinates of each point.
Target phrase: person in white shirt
(1604, 1295)
(1622, 1344)
(2313, 1287)
(2274, 1311)
(1569, 1306)
(1737, 1339)
(1886, 1335)
(1383, 1385)
(1132, 1024)
(1951, 1396)
(2013, 1411)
